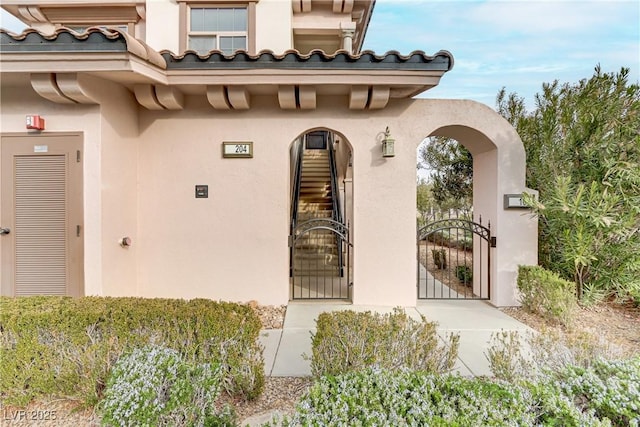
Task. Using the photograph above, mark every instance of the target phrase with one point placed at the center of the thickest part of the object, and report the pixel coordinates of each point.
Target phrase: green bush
(543, 292)
(382, 398)
(66, 347)
(464, 274)
(346, 341)
(439, 258)
(156, 386)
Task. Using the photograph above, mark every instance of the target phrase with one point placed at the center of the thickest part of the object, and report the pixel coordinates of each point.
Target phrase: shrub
(513, 356)
(545, 293)
(383, 398)
(439, 258)
(66, 347)
(611, 389)
(156, 386)
(346, 341)
(506, 359)
(464, 274)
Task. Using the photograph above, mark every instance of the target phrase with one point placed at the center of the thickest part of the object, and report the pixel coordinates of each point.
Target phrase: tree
(451, 175)
(425, 201)
(583, 155)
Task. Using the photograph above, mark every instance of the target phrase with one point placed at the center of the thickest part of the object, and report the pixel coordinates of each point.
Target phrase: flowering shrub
(155, 386)
(566, 375)
(346, 341)
(611, 389)
(383, 398)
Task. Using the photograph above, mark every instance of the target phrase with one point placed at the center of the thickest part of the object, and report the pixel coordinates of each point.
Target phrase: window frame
(185, 13)
(209, 34)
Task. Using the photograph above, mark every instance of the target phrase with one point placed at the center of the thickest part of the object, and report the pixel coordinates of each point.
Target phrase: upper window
(217, 28)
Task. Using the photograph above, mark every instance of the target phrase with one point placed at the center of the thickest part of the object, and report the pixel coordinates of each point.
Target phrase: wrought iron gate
(454, 259)
(320, 260)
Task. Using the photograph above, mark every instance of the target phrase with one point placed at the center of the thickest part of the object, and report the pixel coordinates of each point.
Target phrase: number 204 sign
(237, 149)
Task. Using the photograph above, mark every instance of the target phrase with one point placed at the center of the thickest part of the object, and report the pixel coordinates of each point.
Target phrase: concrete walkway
(475, 321)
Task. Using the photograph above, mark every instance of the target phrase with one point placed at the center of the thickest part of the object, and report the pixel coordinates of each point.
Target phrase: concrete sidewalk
(475, 321)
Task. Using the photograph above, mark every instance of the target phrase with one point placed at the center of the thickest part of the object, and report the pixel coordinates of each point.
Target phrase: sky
(514, 44)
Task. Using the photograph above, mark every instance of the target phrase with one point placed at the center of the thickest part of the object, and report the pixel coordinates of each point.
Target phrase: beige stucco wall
(233, 244)
(273, 25)
(109, 173)
(141, 168)
(162, 29)
(119, 190)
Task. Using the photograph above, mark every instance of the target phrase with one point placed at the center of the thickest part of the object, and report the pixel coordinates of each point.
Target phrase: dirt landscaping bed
(619, 324)
(447, 276)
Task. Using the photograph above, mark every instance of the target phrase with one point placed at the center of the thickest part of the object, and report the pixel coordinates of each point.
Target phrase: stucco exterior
(141, 166)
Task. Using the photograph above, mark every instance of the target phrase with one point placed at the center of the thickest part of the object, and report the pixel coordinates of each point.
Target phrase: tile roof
(63, 39)
(112, 40)
(317, 59)
(66, 40)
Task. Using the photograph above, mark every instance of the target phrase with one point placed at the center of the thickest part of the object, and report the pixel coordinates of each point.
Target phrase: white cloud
(516, 44)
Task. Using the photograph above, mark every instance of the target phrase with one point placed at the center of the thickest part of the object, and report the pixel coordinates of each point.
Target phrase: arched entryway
(498, 171)
(320, 246)
(454, 243)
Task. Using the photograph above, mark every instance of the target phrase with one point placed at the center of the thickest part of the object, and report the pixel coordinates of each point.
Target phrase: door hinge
(78, 156)
(77, 231)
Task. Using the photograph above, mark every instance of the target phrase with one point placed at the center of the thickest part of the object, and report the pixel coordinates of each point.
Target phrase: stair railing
(335, 191)
(297, 180)
(336, 213)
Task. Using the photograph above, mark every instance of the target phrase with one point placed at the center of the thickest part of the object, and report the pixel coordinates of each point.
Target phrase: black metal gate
(320, 260)
(454, 259)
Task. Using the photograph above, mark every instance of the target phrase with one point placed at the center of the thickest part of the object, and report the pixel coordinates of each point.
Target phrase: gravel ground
(271, 316)
(280, 394)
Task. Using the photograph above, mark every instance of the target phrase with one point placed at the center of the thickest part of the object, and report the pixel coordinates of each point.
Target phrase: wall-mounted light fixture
(387, 144)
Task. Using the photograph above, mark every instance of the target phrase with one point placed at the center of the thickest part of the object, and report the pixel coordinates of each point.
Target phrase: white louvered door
(42, 252)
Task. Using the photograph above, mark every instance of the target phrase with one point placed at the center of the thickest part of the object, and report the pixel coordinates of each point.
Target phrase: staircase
(315, 186)
(316, 254)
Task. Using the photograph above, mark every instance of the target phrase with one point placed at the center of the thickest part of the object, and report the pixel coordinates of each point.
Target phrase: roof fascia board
(328, 77)
(401, 83)
(21, 62)
(69, 3)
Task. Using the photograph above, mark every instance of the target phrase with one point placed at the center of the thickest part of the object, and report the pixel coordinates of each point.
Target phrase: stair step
(315, 164)
(316, 260)
(314, 201)
(325, 176)
(316, 241)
